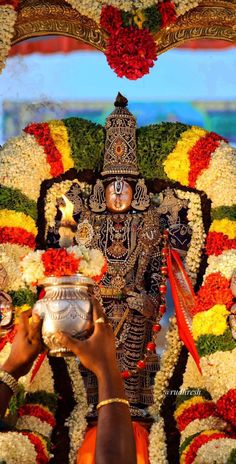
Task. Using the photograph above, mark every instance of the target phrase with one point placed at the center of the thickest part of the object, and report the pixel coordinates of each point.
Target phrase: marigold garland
(59, 134)
(211, 322)
(217, 242)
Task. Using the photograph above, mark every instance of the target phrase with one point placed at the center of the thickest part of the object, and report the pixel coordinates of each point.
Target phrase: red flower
(217, 242)
(198, 442)
(226, 406)
(14, 3)
(214, 291)
(168, 13)
(111, 19)
(196, 411)
(17, 235)
(42, 457)
(131, 52)
(200, 155)
(37, 411)
(57, 262)
(42, 134)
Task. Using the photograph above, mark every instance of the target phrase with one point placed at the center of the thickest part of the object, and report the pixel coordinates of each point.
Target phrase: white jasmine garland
(10, 258)
(35, 424)
(215, 451)
(15, 448)
(194, 216)
(157, 444)
(219, 372)
(7, 22)
(199, 425)
(76, 422)
(33, 267)
(168, 362)
(218, 181)
(23, 165)
(224, 263)
(192, 377)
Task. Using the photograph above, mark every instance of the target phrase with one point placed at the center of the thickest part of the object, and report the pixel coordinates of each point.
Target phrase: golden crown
(120, 146)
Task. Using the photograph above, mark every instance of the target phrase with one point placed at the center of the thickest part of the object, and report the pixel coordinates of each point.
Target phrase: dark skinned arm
(115, 439)
(25, 348)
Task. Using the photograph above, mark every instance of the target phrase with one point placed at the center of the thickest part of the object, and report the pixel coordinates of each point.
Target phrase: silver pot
(65, 307)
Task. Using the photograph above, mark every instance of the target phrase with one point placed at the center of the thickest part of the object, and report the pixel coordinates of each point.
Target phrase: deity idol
(120, 221)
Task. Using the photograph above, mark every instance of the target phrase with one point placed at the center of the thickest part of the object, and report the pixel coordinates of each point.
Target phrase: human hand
(26, 345)
(139, 302)
(97, 353)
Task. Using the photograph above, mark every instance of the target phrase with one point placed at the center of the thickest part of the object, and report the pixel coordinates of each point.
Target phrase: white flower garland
(224, 263)
(15, 448)
(76, 422)
(10, 258)
(93, 8)
(157, 445)
(215, 451)
(7, 22)
(194, 216)
(34, 423)
(218, 180)
(23, 165)
(199, 425)
(219, 372)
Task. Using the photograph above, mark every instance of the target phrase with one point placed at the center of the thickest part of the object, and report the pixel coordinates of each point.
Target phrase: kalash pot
(66, 306)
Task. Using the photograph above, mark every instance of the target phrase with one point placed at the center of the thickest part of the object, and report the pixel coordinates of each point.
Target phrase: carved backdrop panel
(212, 19)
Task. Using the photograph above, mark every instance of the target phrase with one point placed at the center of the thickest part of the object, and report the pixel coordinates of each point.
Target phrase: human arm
(115, 440)
(26, 346)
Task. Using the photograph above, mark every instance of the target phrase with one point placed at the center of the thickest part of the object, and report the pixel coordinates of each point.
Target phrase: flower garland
(157, 444)
(63, 262)
(76, 422)
(131, 48)
(194, 216)
(8, 17)
(176, 162)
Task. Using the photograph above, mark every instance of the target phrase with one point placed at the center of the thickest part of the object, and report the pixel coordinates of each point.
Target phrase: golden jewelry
(100, 320)
(10, 381)
(112, 400)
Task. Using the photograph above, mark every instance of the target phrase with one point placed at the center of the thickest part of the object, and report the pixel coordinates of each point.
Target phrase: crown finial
(121, 101)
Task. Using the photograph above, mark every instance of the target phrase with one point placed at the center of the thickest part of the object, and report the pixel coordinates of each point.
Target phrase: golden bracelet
(112, 400)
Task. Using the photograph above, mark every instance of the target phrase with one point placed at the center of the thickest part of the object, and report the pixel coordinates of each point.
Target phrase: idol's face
(118, 195)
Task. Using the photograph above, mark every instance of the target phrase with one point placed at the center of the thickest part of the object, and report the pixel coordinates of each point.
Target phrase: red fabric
(183, 296)
(86, 454)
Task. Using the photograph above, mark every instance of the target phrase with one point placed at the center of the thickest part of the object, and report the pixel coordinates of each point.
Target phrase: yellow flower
(10, 218)
(226, 226)
(177, 164)
(59, 135)
(213, 321)
(186, 404)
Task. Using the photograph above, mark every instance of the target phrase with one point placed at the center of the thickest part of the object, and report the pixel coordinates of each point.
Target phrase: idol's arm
(115, 440)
